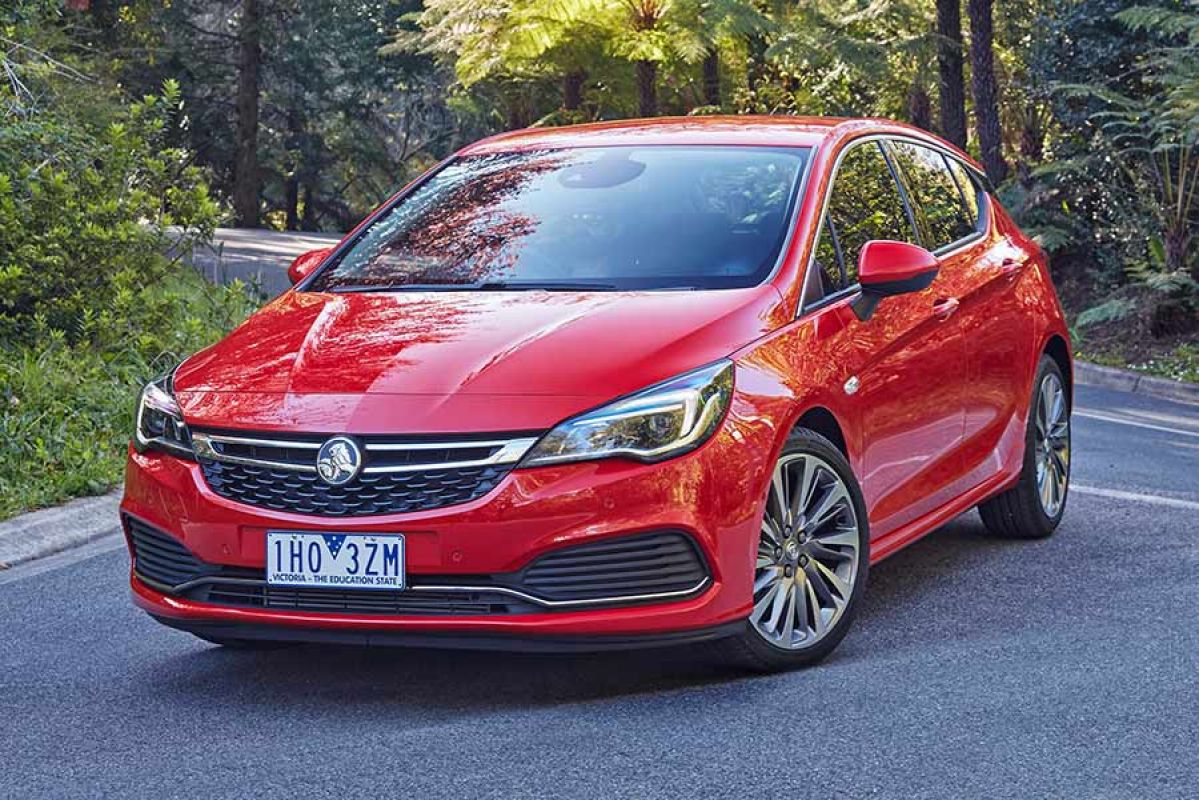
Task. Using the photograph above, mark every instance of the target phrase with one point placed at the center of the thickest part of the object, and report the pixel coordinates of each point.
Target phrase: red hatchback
(611, 386)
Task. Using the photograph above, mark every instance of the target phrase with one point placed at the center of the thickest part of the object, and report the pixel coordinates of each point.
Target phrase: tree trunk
(291, 201)
(308, 218)
(986, 103)
(647, 88)
(519, 113)
(712, 77)
(920, 112)
(952, 85)
(572, 89)
(246, 177)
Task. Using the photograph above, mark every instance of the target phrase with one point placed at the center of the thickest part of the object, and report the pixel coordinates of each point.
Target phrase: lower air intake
(625, 567)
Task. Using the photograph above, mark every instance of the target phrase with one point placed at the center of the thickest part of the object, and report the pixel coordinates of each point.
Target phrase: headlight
(661, 422)
(160, 423)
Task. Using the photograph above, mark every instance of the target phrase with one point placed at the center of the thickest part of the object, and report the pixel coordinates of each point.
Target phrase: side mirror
(887, 268)
(303, 266)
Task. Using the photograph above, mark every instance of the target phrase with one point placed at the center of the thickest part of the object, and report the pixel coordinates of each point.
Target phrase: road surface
(978, 668)
(258, 257)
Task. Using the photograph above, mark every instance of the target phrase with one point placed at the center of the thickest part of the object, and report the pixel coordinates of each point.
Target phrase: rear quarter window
(971, 193)
(941, 210)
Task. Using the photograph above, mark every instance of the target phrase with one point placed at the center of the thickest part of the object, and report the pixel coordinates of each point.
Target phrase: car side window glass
(969, 189)
(831, 269)
(940, 208)
(864, 204)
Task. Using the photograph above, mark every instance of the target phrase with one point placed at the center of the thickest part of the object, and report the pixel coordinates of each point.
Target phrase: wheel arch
(822, 421)
(1057, 349)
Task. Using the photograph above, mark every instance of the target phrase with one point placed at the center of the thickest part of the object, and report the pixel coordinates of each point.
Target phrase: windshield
(589, 218)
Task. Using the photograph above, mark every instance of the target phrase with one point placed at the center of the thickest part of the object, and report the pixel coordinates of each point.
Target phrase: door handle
(944, 309)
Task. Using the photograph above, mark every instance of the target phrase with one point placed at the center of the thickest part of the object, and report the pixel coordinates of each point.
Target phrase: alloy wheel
(807, 553)
(1051, 441)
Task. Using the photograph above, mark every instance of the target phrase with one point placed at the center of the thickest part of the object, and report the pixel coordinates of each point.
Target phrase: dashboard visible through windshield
(611, 218)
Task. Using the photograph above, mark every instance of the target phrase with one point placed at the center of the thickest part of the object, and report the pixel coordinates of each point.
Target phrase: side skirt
(919, 528)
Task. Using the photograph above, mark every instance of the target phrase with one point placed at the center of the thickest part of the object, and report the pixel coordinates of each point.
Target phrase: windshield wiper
(484, 286)
(549, 286)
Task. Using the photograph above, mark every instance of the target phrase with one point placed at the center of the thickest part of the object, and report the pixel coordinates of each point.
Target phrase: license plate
(335, 560)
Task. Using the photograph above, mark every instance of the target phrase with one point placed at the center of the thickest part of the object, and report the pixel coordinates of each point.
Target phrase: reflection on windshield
(603, 218)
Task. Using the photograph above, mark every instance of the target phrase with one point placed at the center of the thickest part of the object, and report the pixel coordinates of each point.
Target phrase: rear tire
(812, 559)
(1033, 507)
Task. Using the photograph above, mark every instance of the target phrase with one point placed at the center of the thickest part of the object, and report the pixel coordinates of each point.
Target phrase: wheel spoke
(780, 602)
(829, 505)
(804, 484)
(814, 610)
(838, 537)
(1058, 406)
(789, 614)
(764, 603)
(778, 489)
(1044, 417)
(1058, 461)
(771, 532)
(816, 550)
(835, 582)
(765, 578)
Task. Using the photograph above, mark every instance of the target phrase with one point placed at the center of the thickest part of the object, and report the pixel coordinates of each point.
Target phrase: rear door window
(865, 204)
(970, 191)
(940, 209)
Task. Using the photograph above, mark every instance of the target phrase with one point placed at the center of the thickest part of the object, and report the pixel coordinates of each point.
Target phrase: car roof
(748, 130)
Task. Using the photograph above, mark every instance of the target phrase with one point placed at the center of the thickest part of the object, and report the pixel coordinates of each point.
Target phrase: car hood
(326, 360)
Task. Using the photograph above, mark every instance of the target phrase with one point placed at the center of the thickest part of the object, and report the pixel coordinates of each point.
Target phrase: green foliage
(67, 408)
(87, 214)
(98, 203)
(1112, 310)
(1180, 365)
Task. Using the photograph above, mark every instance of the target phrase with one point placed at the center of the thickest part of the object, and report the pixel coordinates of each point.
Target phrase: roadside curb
(51, 530)
(1128, 380)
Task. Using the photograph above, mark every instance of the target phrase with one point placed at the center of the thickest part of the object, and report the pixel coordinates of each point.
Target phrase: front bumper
(713, 495)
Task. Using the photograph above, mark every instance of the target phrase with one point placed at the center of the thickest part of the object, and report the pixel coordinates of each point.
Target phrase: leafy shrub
(87, 215)
(66, 408)
(95, 300)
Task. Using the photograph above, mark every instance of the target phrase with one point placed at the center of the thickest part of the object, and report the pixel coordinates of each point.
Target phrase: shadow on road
(940, 567)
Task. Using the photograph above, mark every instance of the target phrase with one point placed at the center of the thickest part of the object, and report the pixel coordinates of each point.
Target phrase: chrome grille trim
(507, 451)
(256, 442)
(461, 588)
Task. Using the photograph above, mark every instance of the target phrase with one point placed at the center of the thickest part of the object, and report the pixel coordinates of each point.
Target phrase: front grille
(397, 475)
(621, 571)
(649, 564)
(394, 493)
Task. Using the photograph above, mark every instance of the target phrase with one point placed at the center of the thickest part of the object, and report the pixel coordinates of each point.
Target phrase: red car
(613, 385)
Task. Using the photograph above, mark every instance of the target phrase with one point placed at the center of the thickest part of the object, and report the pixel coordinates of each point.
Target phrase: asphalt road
(258, 257)
(978, 668)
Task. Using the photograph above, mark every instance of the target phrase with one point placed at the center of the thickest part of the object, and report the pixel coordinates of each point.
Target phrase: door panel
(998, 341)
(911, 407)
(908, 358)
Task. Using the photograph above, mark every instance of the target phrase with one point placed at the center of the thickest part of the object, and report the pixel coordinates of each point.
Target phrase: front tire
(812, 559)
(1033, 507)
